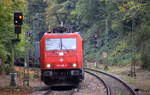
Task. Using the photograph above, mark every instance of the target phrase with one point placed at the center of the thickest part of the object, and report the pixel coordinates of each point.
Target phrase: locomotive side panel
(80, 51)
(42, 53)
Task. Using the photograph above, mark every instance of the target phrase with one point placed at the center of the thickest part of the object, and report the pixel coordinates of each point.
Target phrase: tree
(7, 8)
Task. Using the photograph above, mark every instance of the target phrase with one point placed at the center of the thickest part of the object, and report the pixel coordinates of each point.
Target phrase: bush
(145, 61)
(1, 69)
(5, 69)
(8, 68)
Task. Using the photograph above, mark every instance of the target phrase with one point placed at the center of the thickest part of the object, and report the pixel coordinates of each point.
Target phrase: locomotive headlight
(60, 53)
(48, 65)
(74, 65)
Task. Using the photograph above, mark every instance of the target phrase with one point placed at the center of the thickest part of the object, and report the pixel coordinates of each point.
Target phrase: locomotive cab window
(52, 44)
(61, 43)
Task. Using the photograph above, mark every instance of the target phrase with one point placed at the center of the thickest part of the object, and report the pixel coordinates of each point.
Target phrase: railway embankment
(90, 85)
(141, 82)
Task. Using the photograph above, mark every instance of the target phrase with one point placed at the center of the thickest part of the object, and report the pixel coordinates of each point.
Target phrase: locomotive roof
(53, 35)
(60, 33)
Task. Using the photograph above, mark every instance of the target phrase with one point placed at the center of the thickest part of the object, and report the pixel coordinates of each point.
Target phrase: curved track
(116, 85)
(108, 91)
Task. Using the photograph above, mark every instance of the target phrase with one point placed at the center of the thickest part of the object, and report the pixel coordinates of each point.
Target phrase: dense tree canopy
(122, 26)
(7, 8)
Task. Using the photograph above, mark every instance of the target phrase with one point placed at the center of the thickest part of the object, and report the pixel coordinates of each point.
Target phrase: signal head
(18, 18)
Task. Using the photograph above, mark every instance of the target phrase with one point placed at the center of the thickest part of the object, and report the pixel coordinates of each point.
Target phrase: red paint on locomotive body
(61, 58)
(61, 51)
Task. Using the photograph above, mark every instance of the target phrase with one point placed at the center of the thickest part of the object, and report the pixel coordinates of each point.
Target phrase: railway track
(69, 92)
(107, 85)
(45, 90)
(108, 91)
(116, 85)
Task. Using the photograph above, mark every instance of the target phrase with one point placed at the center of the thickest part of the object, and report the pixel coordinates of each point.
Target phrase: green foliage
(1, 69)
(7, 8)
(8, 69)
(121, 45)
(131, 9)
(122, 39)
(88, 11)
(146, 61)
(5, 69)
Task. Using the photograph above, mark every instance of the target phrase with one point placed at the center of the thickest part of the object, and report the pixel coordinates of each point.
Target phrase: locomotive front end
(61, 58)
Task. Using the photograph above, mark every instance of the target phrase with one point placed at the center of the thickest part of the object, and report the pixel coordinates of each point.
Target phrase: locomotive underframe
(62, 76)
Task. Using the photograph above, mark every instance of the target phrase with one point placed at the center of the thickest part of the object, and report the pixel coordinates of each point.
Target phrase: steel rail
(47, 93)
(72, 92)
(118, 79)
(105, 84)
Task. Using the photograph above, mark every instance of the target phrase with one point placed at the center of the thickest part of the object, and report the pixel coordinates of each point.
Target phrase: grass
(141, 81)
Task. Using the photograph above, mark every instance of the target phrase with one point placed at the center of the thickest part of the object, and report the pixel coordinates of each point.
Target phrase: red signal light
(20, 17)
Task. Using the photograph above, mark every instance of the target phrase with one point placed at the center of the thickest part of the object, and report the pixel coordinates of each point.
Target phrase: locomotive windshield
(61, 43)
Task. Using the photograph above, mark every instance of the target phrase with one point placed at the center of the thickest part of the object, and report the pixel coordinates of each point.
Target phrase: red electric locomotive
(61, 58)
